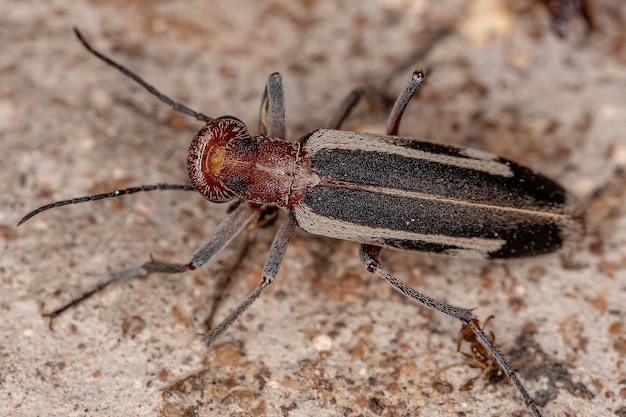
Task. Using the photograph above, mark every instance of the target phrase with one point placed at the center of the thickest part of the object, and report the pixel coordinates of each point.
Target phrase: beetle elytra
(377, 190)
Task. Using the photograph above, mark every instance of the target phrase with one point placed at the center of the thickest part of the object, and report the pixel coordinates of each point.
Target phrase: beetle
(377, 190)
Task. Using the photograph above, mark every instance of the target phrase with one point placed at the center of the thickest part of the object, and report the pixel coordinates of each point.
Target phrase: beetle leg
(120, 276)
(348, 104)
(395, 116)
(369, 253)
(225, 233)
(393, 122)
(272, 113)
(272, 265)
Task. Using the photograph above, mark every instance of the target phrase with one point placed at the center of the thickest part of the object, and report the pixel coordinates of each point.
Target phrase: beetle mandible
(377, 190)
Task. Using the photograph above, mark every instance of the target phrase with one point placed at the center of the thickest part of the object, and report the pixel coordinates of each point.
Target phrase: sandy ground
(328, 339)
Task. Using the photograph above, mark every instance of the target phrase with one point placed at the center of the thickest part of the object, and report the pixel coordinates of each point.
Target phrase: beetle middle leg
(270, 270)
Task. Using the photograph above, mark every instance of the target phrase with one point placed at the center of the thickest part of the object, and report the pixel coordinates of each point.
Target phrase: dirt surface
(328, 339)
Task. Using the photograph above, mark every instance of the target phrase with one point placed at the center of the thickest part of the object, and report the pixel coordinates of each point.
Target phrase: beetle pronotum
(377, 190)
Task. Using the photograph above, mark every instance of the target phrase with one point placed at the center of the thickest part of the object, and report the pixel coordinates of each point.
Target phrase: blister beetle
(377, 190)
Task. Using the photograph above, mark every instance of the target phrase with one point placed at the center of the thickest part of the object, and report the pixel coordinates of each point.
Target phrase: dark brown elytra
(261, 176)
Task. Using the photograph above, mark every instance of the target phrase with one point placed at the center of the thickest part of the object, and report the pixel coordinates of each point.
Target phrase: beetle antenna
(179, 107)
(112, 194)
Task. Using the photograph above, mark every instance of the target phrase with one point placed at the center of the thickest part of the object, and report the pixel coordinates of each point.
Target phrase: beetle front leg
(272, 113)
(225, 233)
(270, 270)
(369, 254)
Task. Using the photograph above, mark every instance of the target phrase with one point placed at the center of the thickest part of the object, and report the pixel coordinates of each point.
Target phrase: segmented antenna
(117, 193)
(112, 194)
(179, 107)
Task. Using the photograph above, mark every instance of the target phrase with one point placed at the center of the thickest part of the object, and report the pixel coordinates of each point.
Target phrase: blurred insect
(562, 10)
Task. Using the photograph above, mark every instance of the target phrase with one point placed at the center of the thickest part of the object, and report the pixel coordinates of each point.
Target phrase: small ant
(479, 356)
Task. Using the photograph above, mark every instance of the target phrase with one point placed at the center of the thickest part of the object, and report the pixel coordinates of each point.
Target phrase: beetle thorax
(225, 162)
(259, 169)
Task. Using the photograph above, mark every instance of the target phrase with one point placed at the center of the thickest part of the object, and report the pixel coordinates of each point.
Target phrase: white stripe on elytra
(334, 139)
(324, 226)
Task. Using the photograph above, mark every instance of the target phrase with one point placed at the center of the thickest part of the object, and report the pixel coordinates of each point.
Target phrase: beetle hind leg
(369, 254)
